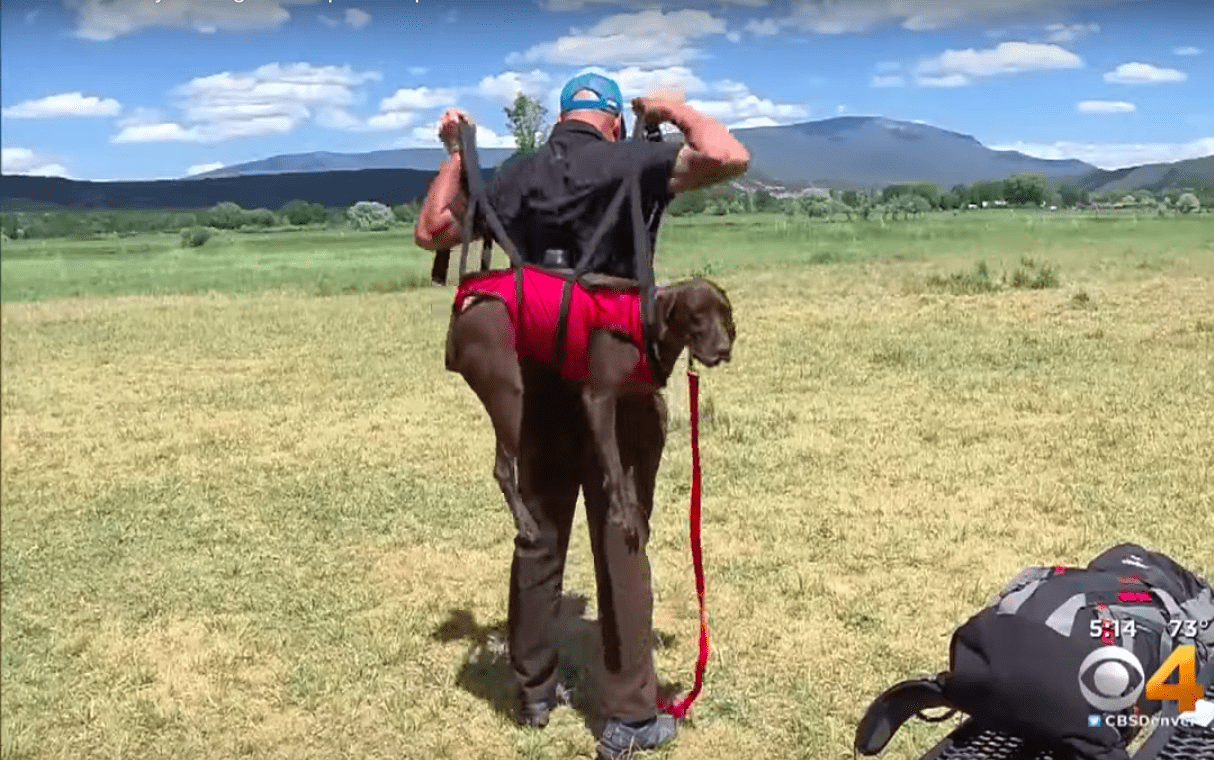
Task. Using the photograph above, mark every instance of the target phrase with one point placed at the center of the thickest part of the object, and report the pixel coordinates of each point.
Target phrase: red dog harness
(535, 334)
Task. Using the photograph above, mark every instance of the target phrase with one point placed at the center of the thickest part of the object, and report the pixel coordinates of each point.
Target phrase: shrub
(406, 213)
(965, 283)
(370, 215)
(1188, 203)
(1034, 275)
(195, 237)
(260, 217)
(226, 216)
(301, 212)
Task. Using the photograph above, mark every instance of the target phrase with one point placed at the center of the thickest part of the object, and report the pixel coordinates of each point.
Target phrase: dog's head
(697, 314)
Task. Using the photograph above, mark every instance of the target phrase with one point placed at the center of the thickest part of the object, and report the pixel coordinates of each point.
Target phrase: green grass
(307, 261)
(326, 262)
(241, 521)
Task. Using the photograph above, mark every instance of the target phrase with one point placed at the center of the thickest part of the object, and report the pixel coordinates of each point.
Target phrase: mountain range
(851, 152)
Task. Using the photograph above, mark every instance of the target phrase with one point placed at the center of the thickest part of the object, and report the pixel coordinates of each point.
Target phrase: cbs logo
(1111, 679)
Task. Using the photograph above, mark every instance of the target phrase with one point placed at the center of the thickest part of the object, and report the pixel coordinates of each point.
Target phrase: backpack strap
(896, 705)
(478, 196)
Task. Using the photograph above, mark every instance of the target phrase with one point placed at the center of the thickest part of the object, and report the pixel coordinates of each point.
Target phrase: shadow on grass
(486, 672)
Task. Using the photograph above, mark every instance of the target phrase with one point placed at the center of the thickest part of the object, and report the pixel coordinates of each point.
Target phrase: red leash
(680, 709)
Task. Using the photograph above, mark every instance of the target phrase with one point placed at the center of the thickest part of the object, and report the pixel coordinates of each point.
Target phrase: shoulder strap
(478, 200)
(591, 255)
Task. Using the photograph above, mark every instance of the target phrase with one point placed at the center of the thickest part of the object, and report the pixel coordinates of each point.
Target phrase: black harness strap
(478, 197)
(589, 257)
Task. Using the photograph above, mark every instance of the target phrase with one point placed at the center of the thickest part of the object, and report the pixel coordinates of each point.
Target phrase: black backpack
(1016, 665)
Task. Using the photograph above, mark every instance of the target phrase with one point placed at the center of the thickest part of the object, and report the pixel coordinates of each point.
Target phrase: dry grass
(265, 526)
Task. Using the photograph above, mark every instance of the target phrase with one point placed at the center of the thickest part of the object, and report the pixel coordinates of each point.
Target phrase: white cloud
(888, 80)
(634, 81)
(1143, 73)
(417, 98)
(915, 15)
(329, 22)
(647, 38)
(574, 5)
(755, 121)
(1068, 33)
(356, 18)
(741, 108)
(840, 109)
(1105, 106)
(1004, 58)
(397, 111)
(948, 80)
(203, 168)
(1187, 50)
(273, 99)
(103, 20)
(418, 70)
(427, 137)
(505, 87)
(26, 161)
(1116, 155)
(764, 28)
(66, 104)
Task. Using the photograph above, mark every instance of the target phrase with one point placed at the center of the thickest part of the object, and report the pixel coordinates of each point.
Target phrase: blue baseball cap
(608, 91)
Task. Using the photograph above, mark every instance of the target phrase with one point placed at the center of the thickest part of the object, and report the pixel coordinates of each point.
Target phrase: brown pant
(556, 458)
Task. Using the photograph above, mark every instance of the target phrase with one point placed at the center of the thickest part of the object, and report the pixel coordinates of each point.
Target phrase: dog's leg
(480, 348)
(611, 361)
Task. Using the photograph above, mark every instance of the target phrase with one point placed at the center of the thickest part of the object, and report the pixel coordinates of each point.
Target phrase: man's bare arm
(711, 154)
(438, 222)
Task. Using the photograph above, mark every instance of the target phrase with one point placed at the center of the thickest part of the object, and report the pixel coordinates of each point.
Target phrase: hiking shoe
(621, 739)
(535, 714)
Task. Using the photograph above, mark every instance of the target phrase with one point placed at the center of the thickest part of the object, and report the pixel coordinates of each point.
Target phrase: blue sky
(148, 89)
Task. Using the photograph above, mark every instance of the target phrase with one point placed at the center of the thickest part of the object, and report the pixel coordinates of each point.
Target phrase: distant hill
(860, 152)
(1195, 172)
(854, 152)
(418, 159)
(333, 189)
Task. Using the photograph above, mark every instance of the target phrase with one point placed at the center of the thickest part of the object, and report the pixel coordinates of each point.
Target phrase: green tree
(685, 204)
(987, 192)
(526, 120)
(1188, 203)
(301, 212)
(1072, 195)
(765, 201)
(1024, 189)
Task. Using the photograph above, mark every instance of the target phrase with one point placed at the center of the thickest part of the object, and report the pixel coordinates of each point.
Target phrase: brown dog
(481, 346)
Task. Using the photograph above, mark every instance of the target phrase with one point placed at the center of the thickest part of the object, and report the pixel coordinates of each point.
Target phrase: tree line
(912, 199)
(367, 215)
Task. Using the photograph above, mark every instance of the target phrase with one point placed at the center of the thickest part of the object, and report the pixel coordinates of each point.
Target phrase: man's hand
(448, 128)
(658, 107)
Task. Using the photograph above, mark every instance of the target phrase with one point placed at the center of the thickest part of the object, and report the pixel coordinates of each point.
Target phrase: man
(550, 203)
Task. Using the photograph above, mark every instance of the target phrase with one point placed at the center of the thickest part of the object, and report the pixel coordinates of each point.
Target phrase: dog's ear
(666, 300)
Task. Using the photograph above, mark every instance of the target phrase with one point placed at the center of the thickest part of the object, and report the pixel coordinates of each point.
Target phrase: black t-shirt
(557, 196)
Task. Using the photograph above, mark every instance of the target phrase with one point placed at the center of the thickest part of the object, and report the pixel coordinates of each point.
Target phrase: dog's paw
(528, 530)
(627, 519)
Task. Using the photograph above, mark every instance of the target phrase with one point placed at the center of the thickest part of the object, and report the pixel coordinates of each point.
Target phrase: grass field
(247, 514)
